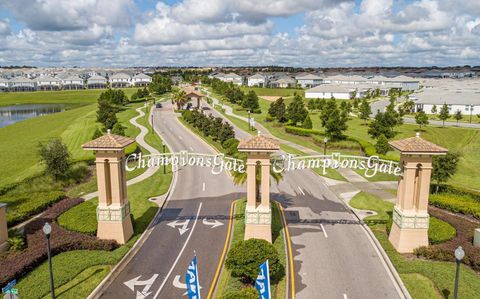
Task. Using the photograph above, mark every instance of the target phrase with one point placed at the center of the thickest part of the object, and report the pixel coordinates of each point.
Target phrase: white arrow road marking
(146, 283)
(183, 225)
(345, 296)
(180, 285)
(324, 231)
(214, 224)
(203, 186)
(179, 254)
(301, 191)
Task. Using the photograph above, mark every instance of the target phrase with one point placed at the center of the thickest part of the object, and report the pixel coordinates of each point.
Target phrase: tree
(296, 111)
(444, 114)
(329, 108)
(281, 111)
(434, 109)
(421, 118)
(114, 97)
(320, 103)
(246, 256)
(56, 157)
(365, 110)
(98, 133)
(409, 105)
(381, 125)
(272, 110)
(311, 105)
(180, 98)
(251, 101)
(336, 124)
(307, 123)
(106, 113)
(458, 115)
(346, 107)
(443, 168)
(118, 129)
(160, 84)
(382, 146)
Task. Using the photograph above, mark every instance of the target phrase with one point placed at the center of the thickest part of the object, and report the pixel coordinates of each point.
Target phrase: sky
(301, 33)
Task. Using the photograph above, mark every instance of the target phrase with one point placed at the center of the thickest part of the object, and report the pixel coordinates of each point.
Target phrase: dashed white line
(180, 137)
(345, 296)
(203, 186)
(170, 128)
(324, 231)
(301, 191)
(191, 148)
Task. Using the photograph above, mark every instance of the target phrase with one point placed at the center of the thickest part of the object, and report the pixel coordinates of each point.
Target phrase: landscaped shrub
(245, 293)
(16, 265)
(16, 241)
(302, 131)
(457, 203)
(245, 257)
(341, 144)
(440, 231)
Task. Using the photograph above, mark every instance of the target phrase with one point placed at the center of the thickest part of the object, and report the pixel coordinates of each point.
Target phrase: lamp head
(325, 140)
(459, 253)
(47, 228)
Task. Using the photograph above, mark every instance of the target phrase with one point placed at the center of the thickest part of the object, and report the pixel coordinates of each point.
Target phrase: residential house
(3, 84)
(96, 81)
(72, 82)
(46, 82)
(284, 82)
(308, 80)
(21, 84)
(120, 80)
(258, 80)
(141, 80)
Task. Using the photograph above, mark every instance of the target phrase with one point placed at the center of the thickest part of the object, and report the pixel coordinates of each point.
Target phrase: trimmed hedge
(302, 132)
(440, 231)
(245, 293)
(458, 203)
(16, 265)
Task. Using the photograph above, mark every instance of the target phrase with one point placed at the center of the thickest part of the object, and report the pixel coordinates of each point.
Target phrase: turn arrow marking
(146, 283)
(213, 224)
(183, 225)
(180, 285)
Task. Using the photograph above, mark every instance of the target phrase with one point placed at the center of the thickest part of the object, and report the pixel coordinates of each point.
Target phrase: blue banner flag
(193, 285)
(262, 284)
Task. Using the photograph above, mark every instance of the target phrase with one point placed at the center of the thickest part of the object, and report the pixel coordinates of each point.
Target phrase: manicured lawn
(227, 283)
(423, 278)
(283, 92)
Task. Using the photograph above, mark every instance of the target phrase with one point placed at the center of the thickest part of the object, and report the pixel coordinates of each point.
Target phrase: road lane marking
(203, 186)
(137, 282)
(183, 226)
(179, 254)
(191, 148)
(180, 285)
(213, 224)
(323, 230)
(224, 252)
(345, 296)
(180, 137)
(301, 191)
(290, 254)
(170, 128)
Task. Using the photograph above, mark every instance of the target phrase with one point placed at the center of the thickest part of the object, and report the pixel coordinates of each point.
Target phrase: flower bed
(16, 264)
(445, 251)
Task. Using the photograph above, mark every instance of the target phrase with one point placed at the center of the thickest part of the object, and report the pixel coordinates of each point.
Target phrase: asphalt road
(333, 255)
(187, 224)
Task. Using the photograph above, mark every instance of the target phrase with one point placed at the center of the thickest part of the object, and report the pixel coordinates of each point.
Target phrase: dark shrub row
(302, 132)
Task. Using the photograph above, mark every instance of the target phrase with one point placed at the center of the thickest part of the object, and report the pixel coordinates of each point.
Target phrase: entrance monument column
(3, 227)
(410, 215)
(258, 215)
(113, 211)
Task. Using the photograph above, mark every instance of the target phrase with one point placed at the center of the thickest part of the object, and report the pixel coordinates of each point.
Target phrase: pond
(12, 114)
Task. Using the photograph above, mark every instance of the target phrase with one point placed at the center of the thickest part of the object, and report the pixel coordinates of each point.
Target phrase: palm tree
(241, 178)
(180, 99)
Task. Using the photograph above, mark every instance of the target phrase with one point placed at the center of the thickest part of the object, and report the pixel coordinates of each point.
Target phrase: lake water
(12, 114)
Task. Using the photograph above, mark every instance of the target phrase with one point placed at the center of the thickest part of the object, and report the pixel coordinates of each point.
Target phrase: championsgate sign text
(218, 163)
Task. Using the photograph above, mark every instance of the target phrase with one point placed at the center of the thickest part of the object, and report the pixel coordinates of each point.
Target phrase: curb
(97, 292)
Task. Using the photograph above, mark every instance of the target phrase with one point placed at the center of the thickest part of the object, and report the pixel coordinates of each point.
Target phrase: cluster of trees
(277, 110)
(209, 125)
(140, 94)
(109, 103)
(235, 95)
(383, 126)
(161, 83)
(334, 118)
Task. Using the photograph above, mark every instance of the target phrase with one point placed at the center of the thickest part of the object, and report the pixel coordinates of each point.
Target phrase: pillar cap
(258, 143)
(108, 142)
(417, 145)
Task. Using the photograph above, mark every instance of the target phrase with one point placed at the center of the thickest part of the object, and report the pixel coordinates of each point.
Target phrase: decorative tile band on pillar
(410, 221)
(113, 213)
(258, 217)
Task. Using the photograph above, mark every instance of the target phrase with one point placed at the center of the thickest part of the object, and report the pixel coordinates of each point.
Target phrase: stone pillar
(113, 211)
(3, 227)
(410, 214)
(258, 215)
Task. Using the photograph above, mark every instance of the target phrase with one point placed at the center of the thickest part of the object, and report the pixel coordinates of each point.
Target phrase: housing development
(240, 149)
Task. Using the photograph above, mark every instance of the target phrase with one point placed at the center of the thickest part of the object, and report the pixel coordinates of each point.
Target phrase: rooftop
(258, 142)
(417, 145)
(108, 141)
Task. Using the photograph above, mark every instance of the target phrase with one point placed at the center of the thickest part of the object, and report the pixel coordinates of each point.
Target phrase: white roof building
(308, 80)
(257, 80)
(141, 79)
(47, 80)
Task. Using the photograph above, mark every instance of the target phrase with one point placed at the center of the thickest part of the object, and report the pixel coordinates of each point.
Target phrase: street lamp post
(471, 111)
(153, 130)
(249, 129)
(47, 230)
(163, 147)
(325, 140)
(459, 254)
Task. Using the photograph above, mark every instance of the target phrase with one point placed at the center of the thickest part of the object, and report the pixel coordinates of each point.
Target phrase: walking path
(140, 139)
(345, 190)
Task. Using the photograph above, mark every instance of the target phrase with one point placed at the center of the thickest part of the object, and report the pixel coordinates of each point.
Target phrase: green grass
(283, 92)
(86, 96)
(418, 274)
(440, 231)
(228, 283)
